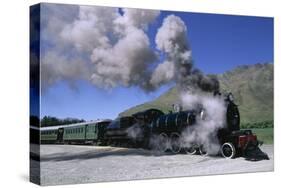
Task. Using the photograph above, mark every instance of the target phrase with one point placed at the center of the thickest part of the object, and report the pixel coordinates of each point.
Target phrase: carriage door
(86, 132)
(60, 135)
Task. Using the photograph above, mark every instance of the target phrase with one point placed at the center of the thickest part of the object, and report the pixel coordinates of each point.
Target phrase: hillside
(251, 85)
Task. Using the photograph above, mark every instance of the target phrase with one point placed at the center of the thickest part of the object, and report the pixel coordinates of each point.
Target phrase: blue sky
(218, 42)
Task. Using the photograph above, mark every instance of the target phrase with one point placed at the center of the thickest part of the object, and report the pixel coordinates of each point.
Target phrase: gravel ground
(69, 164)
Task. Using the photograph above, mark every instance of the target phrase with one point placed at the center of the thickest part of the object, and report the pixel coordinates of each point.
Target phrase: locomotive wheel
(191, 150)
(202, 150)
(228, 150)
(175, 143)
(162, 144)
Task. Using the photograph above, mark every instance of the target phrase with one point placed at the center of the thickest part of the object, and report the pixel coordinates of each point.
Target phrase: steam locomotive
(154, 129)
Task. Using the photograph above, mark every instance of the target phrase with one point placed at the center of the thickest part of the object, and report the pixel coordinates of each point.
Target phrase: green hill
(252, 86)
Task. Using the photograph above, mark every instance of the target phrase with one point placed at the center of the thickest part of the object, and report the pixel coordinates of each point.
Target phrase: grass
(265, 135)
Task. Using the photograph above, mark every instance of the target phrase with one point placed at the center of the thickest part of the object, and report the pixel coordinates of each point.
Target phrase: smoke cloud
(110, 47)
(171, 39)
(58, 59)
(106, 46)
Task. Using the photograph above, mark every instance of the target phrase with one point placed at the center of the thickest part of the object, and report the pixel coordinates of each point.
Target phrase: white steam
(204, 132)
(135, 132)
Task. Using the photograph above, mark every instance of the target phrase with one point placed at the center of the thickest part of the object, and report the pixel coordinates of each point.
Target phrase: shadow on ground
(65, 156)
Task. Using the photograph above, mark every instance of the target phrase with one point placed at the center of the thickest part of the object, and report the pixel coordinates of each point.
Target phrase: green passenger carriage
(85, 132)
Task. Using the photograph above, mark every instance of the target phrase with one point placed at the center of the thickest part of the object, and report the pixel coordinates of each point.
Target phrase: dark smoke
(171, 39)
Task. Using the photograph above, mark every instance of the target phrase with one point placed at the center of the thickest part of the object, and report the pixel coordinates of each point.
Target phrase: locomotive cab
(232, 114)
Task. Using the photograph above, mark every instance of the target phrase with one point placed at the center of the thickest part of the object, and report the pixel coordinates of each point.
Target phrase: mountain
(252, 86)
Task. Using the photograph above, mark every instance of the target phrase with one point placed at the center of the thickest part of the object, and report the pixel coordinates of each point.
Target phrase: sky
(71, 49)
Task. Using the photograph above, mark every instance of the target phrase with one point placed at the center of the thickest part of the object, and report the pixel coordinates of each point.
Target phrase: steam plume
(205, 131)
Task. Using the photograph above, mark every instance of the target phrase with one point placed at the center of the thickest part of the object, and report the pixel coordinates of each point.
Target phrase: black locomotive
(154, 129)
